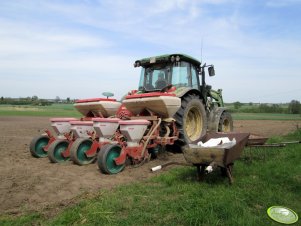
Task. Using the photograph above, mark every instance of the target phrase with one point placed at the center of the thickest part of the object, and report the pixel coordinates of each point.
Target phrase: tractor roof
(166, 58)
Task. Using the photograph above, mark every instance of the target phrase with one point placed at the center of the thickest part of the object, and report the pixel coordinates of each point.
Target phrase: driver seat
(160, 84)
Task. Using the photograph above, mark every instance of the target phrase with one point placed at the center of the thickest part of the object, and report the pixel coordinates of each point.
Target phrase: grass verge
(263, 177)
(265, 116)
(55, 110)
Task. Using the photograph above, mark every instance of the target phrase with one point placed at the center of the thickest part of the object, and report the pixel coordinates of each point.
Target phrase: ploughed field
(29, 184)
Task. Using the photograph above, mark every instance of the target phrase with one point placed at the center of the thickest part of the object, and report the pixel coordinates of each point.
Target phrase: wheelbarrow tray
(221, 155)
(255, 139)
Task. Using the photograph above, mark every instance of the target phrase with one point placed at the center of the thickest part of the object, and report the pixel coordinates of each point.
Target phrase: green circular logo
(282, 214)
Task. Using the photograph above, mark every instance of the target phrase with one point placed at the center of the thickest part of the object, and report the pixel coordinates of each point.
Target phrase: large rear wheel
(56, 149)
(225, 122)
(106, 159)
(191, 119)
(37, 146)
(78, 151)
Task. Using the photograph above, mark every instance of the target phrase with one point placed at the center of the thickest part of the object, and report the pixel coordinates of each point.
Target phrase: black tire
(78, 149)
(37, 145)
(191, 120)
(105, 159)
(225, 122)
(55, 151)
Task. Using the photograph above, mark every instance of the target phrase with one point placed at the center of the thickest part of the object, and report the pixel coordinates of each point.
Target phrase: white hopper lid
(63, 119)
(106, 120)
(134, 122)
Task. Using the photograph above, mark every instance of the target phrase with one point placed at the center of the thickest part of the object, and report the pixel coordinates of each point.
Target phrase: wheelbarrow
(206, 159)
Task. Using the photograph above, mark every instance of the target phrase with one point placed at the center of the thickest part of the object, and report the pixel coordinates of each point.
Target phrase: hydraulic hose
(145, 144)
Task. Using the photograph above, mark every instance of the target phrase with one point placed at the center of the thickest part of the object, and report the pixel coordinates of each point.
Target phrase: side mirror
(211, 71)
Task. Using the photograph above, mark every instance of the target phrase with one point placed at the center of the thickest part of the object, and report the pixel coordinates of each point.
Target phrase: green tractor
(202, 109)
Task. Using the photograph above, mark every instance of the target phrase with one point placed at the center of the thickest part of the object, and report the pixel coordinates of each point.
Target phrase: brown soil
(31, 184)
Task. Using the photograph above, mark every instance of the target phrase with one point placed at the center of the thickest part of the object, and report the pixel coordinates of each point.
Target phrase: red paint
(153, 94)
(134, 122)
(94, 100)
(106, 120)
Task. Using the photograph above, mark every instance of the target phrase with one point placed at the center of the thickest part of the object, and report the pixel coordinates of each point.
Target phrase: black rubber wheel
(225, 122)
(37, 145)
(105, 159)
(78, 151)
(56, 149)
(191, 120)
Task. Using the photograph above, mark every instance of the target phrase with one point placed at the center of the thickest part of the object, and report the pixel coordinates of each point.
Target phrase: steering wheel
(164, 89)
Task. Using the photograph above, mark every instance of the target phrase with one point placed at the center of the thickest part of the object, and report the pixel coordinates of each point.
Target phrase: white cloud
(80, 43)
(22, 38)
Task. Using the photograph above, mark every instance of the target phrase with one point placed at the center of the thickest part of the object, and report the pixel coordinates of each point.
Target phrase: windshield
(156, 77)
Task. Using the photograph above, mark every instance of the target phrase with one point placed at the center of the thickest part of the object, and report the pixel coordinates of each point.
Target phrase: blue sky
(81, 48)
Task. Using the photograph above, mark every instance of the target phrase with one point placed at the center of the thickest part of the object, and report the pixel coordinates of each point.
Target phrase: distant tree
(2, 98)
(68, 100)
(34, 98)
(237, 104)
(294, 107)
(57, 99)
(263, 108)
(250, 104)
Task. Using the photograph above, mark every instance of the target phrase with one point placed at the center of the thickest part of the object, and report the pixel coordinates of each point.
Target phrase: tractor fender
(214, 117)
(182, 91)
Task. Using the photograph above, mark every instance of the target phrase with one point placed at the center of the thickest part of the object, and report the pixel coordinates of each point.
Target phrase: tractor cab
(159, 72)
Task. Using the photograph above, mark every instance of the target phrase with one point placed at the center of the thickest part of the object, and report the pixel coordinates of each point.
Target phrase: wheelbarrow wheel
(105, 159)
(56, 149)
(78, 151)
(37, 145)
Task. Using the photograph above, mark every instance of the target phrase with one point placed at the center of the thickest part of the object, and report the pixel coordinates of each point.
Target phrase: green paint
(81, 152)
(59, 149)
(39, 146)
(110, 160)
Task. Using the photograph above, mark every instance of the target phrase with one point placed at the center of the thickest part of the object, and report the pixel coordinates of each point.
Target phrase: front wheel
(56, 149)
(225, 122)
(78, 151)
(37, 146)
(106, 159)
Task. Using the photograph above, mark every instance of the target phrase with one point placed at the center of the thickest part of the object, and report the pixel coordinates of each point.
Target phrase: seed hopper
(58, 146)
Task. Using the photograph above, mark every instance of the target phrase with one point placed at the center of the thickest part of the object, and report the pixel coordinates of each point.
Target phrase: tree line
(294, 107)
(34, 100)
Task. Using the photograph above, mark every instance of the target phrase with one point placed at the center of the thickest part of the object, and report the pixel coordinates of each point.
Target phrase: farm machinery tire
(191, 120)
(37, 145)
(56, 149)
(225, 122)
(78, 151)
(105, 159)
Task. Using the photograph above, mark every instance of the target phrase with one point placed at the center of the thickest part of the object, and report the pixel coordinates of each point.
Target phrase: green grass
(55, 110)
(265, 116)
(263, 177)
